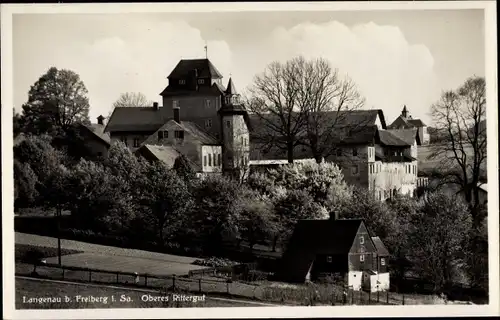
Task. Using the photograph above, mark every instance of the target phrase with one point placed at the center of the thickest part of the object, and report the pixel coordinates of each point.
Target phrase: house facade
(199, 119)
(341, 249)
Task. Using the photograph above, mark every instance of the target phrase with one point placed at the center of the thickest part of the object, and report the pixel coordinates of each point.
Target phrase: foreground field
(104, 297)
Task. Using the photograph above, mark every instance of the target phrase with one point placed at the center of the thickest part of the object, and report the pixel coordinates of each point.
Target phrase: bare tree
(461, 115)
(132, 100)
(275, 103)
(326, 99)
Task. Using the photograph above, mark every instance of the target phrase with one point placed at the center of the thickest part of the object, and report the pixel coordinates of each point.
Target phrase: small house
(341, 249)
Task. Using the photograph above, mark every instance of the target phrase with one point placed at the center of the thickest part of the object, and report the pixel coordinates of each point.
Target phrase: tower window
(136, 142)
(382, 261)
(207, 103)
(354, 170)
(361, 240)
(228, 124)
(354, 152)
(201, 81)
(362, 258)
(182, 81)
(205, 160)
(209, 159)
(160, 135)
(208, 123)
(219, 162)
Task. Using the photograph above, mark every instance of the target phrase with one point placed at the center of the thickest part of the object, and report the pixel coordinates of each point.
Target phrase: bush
(215, 262)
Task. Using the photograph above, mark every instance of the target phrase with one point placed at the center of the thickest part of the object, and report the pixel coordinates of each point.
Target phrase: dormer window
(179, 134)
(361, 240)
(201, 81)
(182, 82)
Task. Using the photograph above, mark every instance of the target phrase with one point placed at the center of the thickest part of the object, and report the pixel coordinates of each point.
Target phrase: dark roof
(313, 237)
(379, 245)
(205, 69)
(98, 131)
(146, 119)
(415, 122)
(406, 135)
(214, 89)
(231, 89)
(165, 154)
(388, 139)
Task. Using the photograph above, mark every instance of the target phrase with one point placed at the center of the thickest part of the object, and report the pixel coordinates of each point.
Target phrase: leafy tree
(25, 183)
(215, 215)
(17, 123)
(164, 199)
(437, 237)
(55, 102)
(184, 168)
(257, 223)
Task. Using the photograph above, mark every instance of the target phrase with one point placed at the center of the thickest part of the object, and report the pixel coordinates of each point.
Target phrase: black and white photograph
(280, 159)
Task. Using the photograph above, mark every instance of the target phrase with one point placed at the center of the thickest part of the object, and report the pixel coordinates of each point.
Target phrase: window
(124, 140)
(362, 258)
(160, 135)
(219, 159)
(179, 134)
(182, 81)
(339, 152)
(210, 160)
(354, 152)
(228, 124)
(361, 240)
(382, 261)
(205, 160)
(329, 259)
(201, 81)
(380, 195)
(354, 170)
(175, 104)
(207, 103)
(208, 123)
(136, 142)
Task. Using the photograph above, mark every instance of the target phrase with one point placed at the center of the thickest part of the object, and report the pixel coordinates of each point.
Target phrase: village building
(208, 123)
(96, 141)
(342, 250)
(200, 119)
(405, 121)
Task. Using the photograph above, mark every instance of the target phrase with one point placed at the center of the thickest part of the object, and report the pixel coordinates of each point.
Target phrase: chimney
(100, 120)
(334, 216)
(155, 105)
(177, 117)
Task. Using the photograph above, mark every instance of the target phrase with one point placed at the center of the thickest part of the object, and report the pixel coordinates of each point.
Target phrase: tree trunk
(289, 149)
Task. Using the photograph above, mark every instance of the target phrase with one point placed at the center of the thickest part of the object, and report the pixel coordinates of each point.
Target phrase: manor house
(208, 124)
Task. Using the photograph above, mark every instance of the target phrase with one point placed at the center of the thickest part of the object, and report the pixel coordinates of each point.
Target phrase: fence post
(403, 299)
(352, 296)
(370, 296)
(63, 273)
(227, 286)
(378, 295)
(145, 280)
(199, 284)
(117, 280)
(90, 276)
(173, 282)
(387, 296)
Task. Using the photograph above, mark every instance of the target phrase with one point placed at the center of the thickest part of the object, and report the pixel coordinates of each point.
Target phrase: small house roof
(379, 245)
(389, 139)
(416, 122)
(147, 119)
(98, 131)
(407, 135)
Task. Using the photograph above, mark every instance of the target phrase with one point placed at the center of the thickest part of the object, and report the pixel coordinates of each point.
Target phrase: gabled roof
(379, 245)
(166, 154)
(98, 131)
(205, 69)
(146, 119)
(407, 135)
(198, 133)
(416, 122)
(388, 139)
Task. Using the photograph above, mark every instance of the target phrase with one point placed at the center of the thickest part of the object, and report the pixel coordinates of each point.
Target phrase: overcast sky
(395, 57)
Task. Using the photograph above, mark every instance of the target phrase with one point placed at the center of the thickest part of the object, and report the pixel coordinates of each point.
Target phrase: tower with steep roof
(235, 133)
